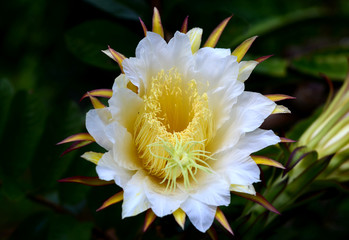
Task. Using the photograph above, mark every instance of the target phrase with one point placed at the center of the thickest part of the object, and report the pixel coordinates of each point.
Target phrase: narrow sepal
(149, 219)
(107, 93)
(95, 102)
(297, 155)
(278, 97)
(222, 220)
(301, 182)
(93, 157)
(286, 140)
(76, 145)
(267, 161)
(258, 198)
(280, 109)
(184, 28)
(179, 215)
(217, 32)
(118, 57)
(242, 49)
(157, 26)
(77, 137)
(212, 233)
(112, 200)
(90, 181)
(145, 30)
(331, 90)
(262, 59)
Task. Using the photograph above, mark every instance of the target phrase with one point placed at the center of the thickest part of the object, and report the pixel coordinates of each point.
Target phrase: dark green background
(50, 56)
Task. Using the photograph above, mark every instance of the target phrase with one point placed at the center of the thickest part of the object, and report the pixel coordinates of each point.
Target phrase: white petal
(223, 52)
(194, 35)
(217, 75)
(135, 200)
(124, 107)
(147, 62)
(179, 54)
(124, 151)
(228, 134)
(246, 115)
(120, 82)
(256, 140)
(254, 103)
(213, 190)
(214, 67)
(163, 203)
(245, 69)
(200, 214)
(153, 54)
(96, 122)
(153, 42)
(222, 100)
(249, 189)
(108, 169)
(241, 171)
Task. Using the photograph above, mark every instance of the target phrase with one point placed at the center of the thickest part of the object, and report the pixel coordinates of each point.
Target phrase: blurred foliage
(51, 55)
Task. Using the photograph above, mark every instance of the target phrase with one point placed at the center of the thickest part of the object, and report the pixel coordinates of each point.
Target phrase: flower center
(173, 128)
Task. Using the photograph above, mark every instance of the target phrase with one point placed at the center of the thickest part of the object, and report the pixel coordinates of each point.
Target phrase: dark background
(50, 56)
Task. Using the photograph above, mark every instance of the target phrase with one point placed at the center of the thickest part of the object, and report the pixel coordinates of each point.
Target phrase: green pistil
(183, 160)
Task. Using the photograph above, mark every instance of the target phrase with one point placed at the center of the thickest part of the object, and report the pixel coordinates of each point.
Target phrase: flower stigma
(173, 129)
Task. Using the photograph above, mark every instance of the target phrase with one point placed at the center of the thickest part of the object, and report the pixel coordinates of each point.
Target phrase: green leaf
(48, 166)
(275, 67)
(320, 185)
(118, 8)
(6, 93)
(74, 193)
(87, 40)
(33, 227)
(297, 131)
(23, 132)
(300, 184)
(332, 63)
(274, 22)
(67, 227)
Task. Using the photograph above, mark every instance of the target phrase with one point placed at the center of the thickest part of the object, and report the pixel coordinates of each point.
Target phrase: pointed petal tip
(223, 220)
(267, 161)
(149, 219)
(89, 181)
(144, 27)
(93, 157)
(179, 215)
(212, 233)
(95, 102)
(259, 199)
(281, 109)
(107, 93)
(75, 146)
(118, 197)
(184, 28)
(242, 49)
(157, 25)
(262, 59)
(287, 140)
(77, 137)
(116, 56)
(216, 34)
(278, 97)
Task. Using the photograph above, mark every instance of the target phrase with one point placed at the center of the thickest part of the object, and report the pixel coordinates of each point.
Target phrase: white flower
(183, 138)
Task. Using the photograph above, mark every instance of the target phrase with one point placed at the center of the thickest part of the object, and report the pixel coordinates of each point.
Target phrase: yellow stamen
(173, 129)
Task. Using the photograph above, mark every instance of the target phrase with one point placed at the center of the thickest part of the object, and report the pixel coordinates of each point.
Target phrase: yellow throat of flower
(173, 128)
